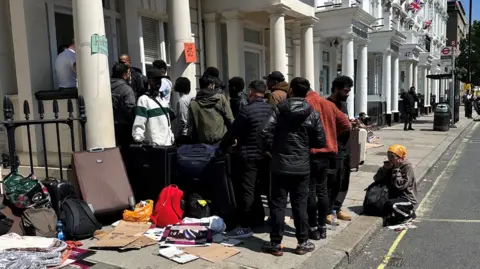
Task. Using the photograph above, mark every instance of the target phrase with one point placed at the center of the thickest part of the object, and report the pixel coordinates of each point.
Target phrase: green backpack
(25, 192)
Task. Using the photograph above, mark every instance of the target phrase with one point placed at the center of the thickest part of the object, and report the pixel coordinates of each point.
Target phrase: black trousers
(322, 168)
(468, 109)
(398, 210)
(123, 139)
(343, 174)
(408, 120)
(297, 186)
(254, 181)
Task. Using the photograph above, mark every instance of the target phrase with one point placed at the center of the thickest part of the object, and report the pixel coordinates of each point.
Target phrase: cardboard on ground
(124, 234)
(214, 253)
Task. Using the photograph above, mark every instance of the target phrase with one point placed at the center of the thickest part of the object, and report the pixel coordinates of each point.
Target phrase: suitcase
(354, 149)
(362, 140)
(150, 169)
(102, 180)
(59, 190)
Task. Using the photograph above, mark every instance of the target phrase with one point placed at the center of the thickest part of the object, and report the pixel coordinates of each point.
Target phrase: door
(253, 64)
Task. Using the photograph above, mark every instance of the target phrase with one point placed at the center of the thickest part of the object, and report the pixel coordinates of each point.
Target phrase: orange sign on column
(190, 52)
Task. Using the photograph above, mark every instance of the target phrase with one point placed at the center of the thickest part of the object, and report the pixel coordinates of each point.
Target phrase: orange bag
(142, 212)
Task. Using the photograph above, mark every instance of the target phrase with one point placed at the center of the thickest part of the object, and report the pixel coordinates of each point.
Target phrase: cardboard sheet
(214, 253)
(124, 234)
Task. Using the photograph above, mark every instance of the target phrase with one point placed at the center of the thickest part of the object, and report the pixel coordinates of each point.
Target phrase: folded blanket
(30, 260)
(14, 241)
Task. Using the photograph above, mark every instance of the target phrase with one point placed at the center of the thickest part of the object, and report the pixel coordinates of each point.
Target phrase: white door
(253, 64)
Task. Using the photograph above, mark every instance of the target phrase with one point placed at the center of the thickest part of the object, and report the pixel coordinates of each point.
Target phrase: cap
(275, 75)
(155, 73)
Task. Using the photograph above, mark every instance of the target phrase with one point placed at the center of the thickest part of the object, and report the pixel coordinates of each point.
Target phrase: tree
(462, 60)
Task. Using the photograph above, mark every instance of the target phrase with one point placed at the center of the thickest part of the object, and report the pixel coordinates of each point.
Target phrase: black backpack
(194, 209)
(78, 219)
(375, 199)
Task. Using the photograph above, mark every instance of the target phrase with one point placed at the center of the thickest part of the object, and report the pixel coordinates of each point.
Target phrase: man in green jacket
(210, 114)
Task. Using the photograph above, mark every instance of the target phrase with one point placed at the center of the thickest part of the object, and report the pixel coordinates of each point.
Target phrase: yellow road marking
(386, 259)
(450, 220)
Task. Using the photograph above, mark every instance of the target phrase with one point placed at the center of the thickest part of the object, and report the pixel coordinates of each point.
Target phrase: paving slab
(424, 149)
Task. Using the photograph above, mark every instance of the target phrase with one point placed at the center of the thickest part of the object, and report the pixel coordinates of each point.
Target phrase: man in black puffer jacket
(253, 165)
(289, 133)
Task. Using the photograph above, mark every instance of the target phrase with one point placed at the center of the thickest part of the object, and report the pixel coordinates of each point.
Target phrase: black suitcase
(59, 190)
(150, 169)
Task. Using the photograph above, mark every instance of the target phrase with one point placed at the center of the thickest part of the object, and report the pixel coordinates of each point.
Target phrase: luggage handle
(98, 149)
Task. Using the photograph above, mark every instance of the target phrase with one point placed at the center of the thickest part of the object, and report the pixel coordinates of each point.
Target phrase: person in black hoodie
(137, 80)
(253, 165)
(291, 130)
(123, 101)
(238, 97)
(409, 98)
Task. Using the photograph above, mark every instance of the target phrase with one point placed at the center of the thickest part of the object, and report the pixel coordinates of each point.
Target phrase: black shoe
(315, 234)
(323, 232)
(405, 129)
(411, 129)
(304, 248)
(272, 248)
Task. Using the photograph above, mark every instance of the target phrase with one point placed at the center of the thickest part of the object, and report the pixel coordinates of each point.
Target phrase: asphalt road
(448, 233)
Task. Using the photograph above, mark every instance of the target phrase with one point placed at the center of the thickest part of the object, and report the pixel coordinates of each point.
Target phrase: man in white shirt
(66, 69)
(166, 87)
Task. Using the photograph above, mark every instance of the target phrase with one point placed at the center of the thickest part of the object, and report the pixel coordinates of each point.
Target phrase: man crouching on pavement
(291, 130)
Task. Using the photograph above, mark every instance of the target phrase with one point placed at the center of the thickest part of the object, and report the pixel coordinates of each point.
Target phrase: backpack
(25, 192)
(195, 208)
(375, 199)
(78, 219)
(39, 222)
(168, 210)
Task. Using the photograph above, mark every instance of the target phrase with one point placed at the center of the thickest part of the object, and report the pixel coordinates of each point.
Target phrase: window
(252, 36)
(63, 29)
(326, 56)
(108, 34)
(154, 42)
(325, 80)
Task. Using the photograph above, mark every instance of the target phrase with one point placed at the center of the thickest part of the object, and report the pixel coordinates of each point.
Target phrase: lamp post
(470, 42)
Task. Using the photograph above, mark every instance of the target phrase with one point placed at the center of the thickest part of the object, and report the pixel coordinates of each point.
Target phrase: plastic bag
(141, 213)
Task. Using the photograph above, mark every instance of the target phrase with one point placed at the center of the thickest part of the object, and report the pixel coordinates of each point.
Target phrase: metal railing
(11, 125)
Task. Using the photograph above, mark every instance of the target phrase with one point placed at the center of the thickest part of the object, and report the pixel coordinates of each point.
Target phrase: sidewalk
(424, 148)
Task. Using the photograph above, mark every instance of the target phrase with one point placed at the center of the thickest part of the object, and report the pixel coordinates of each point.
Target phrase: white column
(307, 67)
(387, 19)
(415, 75)
(395, 82)
(347, 69)
(387, 76)
(428, 87)
(409, 75)
(213, 43)
(298, 58)
(318, 59)
(278, 48)
(93, 74)
(425, 86)
(180, 31)
(236, 57)
(362, 80)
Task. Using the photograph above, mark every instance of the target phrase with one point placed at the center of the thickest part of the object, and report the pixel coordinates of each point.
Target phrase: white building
(381, 45)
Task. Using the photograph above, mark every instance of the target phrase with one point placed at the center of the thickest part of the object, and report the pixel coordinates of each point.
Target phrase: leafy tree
(462, 60)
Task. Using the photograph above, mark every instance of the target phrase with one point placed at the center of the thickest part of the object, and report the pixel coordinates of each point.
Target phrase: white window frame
(65, 7)
(261, 53)
(255, 48)
(162, 49)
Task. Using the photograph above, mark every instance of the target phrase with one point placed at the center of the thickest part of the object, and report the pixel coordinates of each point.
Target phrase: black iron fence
(11, 125)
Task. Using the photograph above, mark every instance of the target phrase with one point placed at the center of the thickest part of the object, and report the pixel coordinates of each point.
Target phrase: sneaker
(239, 233)
(272, 248)
(304, 248)
(323, 232)
(318, 234)
(344, 215)
(411, 129)
(329, 220)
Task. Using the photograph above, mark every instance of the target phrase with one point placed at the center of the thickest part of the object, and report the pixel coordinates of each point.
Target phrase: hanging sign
(99, 44)
(190, 52)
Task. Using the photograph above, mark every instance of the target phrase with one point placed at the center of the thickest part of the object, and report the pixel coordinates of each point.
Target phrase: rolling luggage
(102, 180)
(59, 190)
(362, 140)
(150, 169)
(355, 149)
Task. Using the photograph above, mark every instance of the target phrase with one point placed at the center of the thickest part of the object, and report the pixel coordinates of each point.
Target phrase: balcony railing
(337, 3)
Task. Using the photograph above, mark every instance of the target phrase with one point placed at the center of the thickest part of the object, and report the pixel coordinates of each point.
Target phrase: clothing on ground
(152, 122)
(279, 93)
(209, 117)
(292, 128)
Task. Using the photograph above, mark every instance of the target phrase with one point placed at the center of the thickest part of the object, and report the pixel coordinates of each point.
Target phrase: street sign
(447, 51)
(454, 43)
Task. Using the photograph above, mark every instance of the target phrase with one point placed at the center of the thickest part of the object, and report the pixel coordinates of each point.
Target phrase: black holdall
(375, 199)
(78, 219)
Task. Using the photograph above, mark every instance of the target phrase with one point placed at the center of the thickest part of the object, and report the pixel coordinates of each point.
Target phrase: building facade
(457, 22)
(386, 46)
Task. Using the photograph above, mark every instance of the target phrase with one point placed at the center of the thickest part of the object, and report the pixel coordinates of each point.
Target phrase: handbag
(25, 192)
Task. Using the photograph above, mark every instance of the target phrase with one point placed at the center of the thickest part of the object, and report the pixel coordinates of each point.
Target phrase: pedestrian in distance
(292, 128)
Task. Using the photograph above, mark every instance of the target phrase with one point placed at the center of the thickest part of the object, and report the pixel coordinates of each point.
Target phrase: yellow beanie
(399, 150)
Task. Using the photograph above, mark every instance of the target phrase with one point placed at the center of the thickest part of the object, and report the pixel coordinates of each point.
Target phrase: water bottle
(334, 219)
(60, 235)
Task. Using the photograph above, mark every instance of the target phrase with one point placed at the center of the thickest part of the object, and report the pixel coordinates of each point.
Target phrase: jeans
(344, 178)
(297, 186)
(253, 181)
(318, 199)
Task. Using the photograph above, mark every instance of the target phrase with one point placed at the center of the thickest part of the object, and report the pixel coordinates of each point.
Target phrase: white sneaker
(238, 233)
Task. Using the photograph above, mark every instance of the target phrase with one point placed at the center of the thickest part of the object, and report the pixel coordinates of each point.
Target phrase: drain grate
(395, 262)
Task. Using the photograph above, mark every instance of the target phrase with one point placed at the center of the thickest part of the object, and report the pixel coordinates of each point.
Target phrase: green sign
(99, 44)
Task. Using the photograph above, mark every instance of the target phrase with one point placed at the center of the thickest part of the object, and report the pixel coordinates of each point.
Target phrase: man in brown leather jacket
(278, 86)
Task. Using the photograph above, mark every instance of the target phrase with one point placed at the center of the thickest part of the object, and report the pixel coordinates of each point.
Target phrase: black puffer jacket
(237, 102)
(245, 128)
(123, 101)
(289, 133)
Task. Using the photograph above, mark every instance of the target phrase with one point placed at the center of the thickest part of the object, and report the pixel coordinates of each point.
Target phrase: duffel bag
(375, 199)
(193, 159)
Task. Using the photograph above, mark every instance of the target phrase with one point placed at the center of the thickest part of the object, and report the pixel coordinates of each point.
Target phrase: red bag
(168, 210)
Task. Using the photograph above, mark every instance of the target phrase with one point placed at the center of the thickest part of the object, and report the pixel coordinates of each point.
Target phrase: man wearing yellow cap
(398, 175)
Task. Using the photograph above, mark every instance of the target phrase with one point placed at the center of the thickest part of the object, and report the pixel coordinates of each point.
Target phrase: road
(448, 218)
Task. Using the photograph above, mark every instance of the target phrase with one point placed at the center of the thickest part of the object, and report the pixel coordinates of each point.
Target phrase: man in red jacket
(322, 160)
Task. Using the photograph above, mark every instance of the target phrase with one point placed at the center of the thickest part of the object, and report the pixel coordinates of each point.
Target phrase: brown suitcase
(355, 149)
(102, 180)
